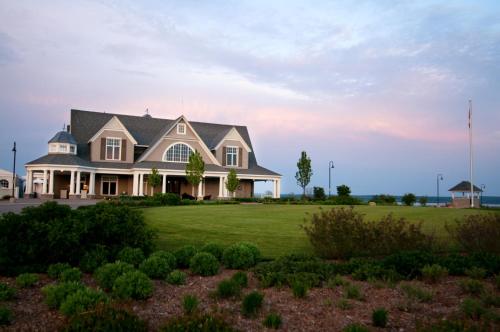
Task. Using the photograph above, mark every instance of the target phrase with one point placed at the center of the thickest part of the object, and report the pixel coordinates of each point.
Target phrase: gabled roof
(233, 134)
(464, 186)
(63, 137)
(114, 124)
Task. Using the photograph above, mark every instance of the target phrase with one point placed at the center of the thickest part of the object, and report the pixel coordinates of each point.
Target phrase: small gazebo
(464, 200)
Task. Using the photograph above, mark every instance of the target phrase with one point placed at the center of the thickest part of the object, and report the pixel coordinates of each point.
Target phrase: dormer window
(181, 129)
(72, 149)
(232, 156)
(113, 148)
(63, 148)
(53, 148)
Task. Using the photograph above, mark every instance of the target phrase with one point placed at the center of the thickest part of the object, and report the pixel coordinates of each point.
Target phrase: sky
(380, 88)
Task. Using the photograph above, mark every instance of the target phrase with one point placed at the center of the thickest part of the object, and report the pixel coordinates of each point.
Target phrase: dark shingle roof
(63, 137)
(464, 186)
(60, 159)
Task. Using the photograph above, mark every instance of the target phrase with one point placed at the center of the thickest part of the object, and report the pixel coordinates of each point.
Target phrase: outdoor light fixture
(330, 166)
(439, 178)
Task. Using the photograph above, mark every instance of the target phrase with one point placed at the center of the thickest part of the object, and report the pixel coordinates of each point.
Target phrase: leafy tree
(195, 169)
(232, 182)
(423, 200)
(304, 173)
(343, 190)
(154, 180)
(409, 199)
(319, 193)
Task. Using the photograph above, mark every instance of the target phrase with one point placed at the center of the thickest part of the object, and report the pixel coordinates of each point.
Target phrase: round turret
(63, 142)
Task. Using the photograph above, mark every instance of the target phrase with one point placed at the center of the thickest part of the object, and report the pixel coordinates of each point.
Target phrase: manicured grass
(274, 228)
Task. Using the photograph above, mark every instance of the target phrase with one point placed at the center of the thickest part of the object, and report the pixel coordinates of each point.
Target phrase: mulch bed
(317, 312)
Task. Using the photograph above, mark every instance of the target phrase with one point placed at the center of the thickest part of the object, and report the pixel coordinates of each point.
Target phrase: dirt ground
(318, 311)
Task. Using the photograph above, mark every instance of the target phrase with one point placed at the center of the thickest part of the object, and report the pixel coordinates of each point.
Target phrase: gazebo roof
(464, 186)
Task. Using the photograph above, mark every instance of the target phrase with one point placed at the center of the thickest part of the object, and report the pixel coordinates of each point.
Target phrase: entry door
(173, 186)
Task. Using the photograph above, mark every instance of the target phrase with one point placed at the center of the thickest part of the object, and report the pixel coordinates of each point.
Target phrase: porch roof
(464, 186)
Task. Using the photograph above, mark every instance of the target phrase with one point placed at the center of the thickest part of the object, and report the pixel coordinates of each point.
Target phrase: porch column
(278, 188)
(51, 190)
(221, 186)
(141, 184)
(72, 183)
(78, 180)
(135, 184)
(275, 189)
(45, 179)
(164, 184)
(92, 183)
(29, 182)
(200, 190)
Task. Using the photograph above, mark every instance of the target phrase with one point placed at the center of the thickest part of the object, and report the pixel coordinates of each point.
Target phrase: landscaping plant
(184, 255)
(157, 267)
(176, 277)
(5, 316)
(133, 285)
(241, 256)
(227, 288)
(204, 264)
(82, 300)
(194, 323)
(133, 256)
(215, 249)
(71, 274)
(55, 270)
(26, 280)
(252, 303)
(108, 273)
(273, 321)
(6, 292)
(299, 290)
(434, 273)
(240, 278)
(94, 258)
(190, 304)
(379, 317)
(477, 233)
(56, 294)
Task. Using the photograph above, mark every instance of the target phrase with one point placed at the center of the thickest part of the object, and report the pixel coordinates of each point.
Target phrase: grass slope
(274, 228)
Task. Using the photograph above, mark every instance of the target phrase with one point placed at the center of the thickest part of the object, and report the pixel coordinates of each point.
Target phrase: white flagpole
(471, 155)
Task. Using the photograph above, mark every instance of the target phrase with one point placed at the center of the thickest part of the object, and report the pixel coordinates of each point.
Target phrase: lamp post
(438, 178)
(481, 199)
(330, 166)
(14, 173)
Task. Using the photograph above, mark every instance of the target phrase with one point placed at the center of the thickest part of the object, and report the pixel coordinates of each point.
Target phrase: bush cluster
(70, 274)
(383, 199)
(204, 264)
(184, 255)
(344, 233)
(157, 267)
(197, 323)
(26, 280)
(215, 249)
(477, 233)
(434, 273)
(6, 292)
(108, 273)
(82, 300)
(240, 278)
(133, 256)
(54, 270)
(133, 285)
(252, 304)
(176, 277)
(5, 316)
(94, 258)
(56, 294)
(51, 233)
(227, 288)
(105, 318)
(241, 255)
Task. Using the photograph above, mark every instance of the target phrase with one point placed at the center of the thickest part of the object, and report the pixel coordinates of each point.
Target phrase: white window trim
(102, 184)
(179, 125)
(120, 149)
(237, 154)
(53, 147)
(164, 158)
(63, 146)
(72, 146)
(8, 184)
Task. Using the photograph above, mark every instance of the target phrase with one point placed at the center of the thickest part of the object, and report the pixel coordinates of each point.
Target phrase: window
(63, 148)
(181, 129)
(178, 153)
(72, 149)
(53, 147)
(113, 147)
(4, 184)
(231, 156)
(109, 185)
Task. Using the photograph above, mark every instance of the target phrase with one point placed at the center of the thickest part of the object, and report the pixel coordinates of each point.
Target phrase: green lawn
(274, 228)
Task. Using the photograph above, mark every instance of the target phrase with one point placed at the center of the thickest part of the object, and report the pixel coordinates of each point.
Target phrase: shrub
(252, 303)
(204, 264)
(379, 317)
(434, 273)
(133, 256)
(190, 304)
(55, 270)
(133, 285)
(383, 199)
(56, 294)
(408, 263)
(343, 233)
(273, 321)
(156, 267)
(423, 200)
(336, 281)
(456, 263)
(170, 257)
(472, 308)
(108, 273)
(319, 194)
(471, 286)
(227, 288)
(344, 304)
(477, 233)
(310, 280)
(240, 278)
(176, 277)
(490, 299)
(409, 199)
(26, 280)
(239, 256)
(51, 233)
(197, 323)
(6, 292)
(497, 281)
(215, 249)
(475, 273)
(416, 293)
(353, 292)
(82, 300)
(5, 316)
(106, 319)
(299, 290)
(184, 255)
(167, 199)
(71, 274)
(355, 328)
(94, 258)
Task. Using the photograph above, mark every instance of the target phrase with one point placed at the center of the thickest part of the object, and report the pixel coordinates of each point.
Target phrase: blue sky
(379, 87)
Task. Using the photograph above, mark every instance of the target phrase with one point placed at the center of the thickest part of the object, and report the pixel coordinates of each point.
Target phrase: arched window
(178, 153)
(4, 184)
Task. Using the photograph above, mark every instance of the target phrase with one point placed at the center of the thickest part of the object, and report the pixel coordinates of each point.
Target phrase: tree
(423, 200)
(319, 193)
(343, 191)
(303, 175)
(409, 199)
(232, 182)
(154, 179)
(195, 169)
